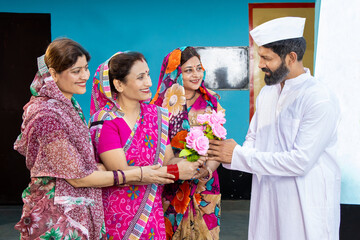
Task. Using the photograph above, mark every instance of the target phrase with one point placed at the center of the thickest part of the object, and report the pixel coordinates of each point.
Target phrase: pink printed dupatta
(170, 94)
(131, 212)
(56, 143)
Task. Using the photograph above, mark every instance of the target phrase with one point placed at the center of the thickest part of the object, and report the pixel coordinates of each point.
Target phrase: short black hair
(284, 47)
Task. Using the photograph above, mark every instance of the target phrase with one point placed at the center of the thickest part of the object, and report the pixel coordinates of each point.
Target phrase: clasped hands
(220, 151)
(187, 170)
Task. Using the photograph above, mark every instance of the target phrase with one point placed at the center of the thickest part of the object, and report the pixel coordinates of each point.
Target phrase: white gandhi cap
(278, 29)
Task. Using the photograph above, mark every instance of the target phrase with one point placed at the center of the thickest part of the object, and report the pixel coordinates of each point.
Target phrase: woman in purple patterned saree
(192, 208)
(129, 134)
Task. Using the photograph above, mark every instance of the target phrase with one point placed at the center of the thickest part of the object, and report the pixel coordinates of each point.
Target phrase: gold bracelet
(141, 174)
(210, 172)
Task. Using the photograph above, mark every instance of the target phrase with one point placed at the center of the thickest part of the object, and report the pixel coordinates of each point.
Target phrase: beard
(277, 76)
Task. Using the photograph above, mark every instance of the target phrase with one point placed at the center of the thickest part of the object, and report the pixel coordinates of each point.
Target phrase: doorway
(24, 37)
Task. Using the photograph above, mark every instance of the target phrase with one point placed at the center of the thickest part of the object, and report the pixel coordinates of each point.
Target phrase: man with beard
(290, 145)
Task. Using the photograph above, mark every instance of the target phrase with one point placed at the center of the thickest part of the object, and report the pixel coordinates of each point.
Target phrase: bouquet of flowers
(197, 140)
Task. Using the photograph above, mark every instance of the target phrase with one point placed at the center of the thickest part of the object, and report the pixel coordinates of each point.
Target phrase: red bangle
(174, 170)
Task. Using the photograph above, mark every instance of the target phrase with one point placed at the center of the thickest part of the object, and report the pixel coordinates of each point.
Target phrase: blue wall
(317, 17)
(154, 28)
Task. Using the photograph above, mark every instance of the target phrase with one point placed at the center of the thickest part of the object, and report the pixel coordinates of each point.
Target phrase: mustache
(266, 70)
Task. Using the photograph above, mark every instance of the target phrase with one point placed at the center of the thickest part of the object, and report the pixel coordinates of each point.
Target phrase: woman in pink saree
(129, 134)
(62, 200)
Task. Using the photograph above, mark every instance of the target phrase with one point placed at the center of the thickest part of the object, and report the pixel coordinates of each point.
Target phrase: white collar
(299, 79)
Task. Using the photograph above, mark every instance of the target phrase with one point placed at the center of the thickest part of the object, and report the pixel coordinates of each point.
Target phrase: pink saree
(135, 211)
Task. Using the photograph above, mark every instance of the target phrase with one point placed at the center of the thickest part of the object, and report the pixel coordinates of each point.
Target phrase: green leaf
(209, 136)
(193, 151)
(53, 234)
(185, 152)
(184, 144)
(193, 158)
(208, 128)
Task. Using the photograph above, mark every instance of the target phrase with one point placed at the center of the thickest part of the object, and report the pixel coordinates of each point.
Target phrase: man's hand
(221, 151)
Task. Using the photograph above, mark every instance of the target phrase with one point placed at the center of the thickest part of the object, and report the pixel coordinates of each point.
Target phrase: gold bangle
(141, 174)
(210, 172)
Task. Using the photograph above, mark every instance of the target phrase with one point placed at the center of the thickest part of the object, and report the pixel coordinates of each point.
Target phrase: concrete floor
(9, 216)
(234, 220)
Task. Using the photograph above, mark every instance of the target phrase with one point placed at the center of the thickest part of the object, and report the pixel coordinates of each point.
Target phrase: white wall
(338, 65)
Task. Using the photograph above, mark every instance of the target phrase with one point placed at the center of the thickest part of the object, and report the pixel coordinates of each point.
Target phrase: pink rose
(217, 118)
(195, 132)
(219, 131)
(201, 145)
(203, 118)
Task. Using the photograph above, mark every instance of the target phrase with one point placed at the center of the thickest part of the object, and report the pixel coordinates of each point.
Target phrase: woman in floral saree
(63, 199)
(192, 208)
(129, 134)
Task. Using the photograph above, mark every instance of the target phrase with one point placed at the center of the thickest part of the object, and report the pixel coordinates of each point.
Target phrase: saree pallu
(135, 211)
(55, 141)
(192, 209)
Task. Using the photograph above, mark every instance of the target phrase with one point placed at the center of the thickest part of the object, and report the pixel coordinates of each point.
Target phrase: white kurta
(290, 148)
